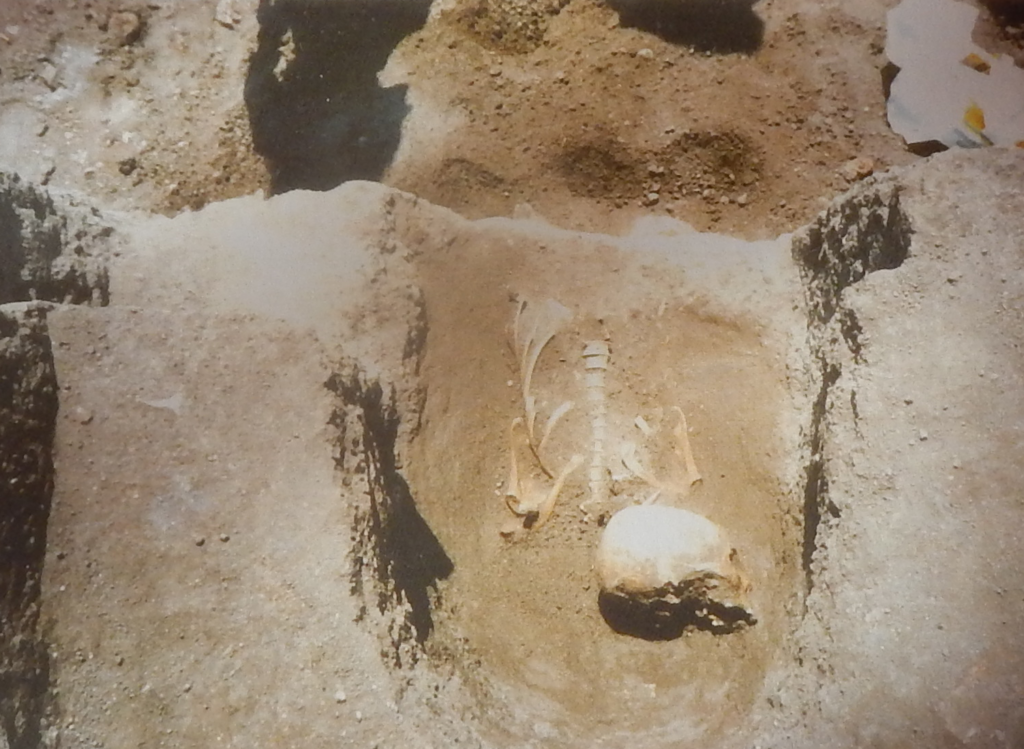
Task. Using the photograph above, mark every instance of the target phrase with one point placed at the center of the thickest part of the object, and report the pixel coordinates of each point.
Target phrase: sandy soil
(482, 106)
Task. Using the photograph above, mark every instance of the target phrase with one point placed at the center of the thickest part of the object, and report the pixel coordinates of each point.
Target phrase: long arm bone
(514, 490)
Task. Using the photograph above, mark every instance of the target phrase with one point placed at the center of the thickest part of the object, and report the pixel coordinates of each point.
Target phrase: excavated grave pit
(530, 606)
(489, 639)
(426, 389)
(521, 610)
(518, 616)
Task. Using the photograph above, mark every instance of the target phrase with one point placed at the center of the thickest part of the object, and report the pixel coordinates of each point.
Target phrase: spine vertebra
(596, 355)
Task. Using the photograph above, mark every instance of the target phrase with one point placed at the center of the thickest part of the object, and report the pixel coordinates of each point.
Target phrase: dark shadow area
(865, 233)
(28, 416)
(30, 239)
(927, 148)
(716, 26)
(852, 238)
(889, 73)
(660, 620)
(816, 485)
(418, 561)
(396, 557)
(44, 255)
(318, 115)
(1006, 12)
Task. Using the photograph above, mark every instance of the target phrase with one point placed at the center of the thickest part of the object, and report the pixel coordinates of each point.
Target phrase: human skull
(663, 569)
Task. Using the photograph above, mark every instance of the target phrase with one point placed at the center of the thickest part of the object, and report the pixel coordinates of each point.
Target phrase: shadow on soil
(660, 621)
(28, 414)
(318, 115)
(717, 26)
(398, 562)
(866, 233)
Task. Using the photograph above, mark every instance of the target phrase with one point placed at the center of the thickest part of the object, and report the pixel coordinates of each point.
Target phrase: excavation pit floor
(528, 602)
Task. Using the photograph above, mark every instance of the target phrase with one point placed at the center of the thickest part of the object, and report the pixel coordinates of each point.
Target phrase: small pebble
(225, 537)
(125, 27)
(922, 435)
(127, 166)
(857, 169)
(48, 75)
(200, 541)
(226, 14)
(81, 415)
(340, 697)
(645, 53)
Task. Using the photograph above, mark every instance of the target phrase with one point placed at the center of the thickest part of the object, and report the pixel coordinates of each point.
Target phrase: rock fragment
(857, 169)
(48, 75)
(227, 14)
(124, 27)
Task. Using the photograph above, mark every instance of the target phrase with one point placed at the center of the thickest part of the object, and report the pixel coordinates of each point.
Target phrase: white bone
(596, 357)
(548, 505)
(553, 420)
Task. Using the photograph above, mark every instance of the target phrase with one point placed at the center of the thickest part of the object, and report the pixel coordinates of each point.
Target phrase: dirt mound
(489, 96)
(512, 26)
(717, 168)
